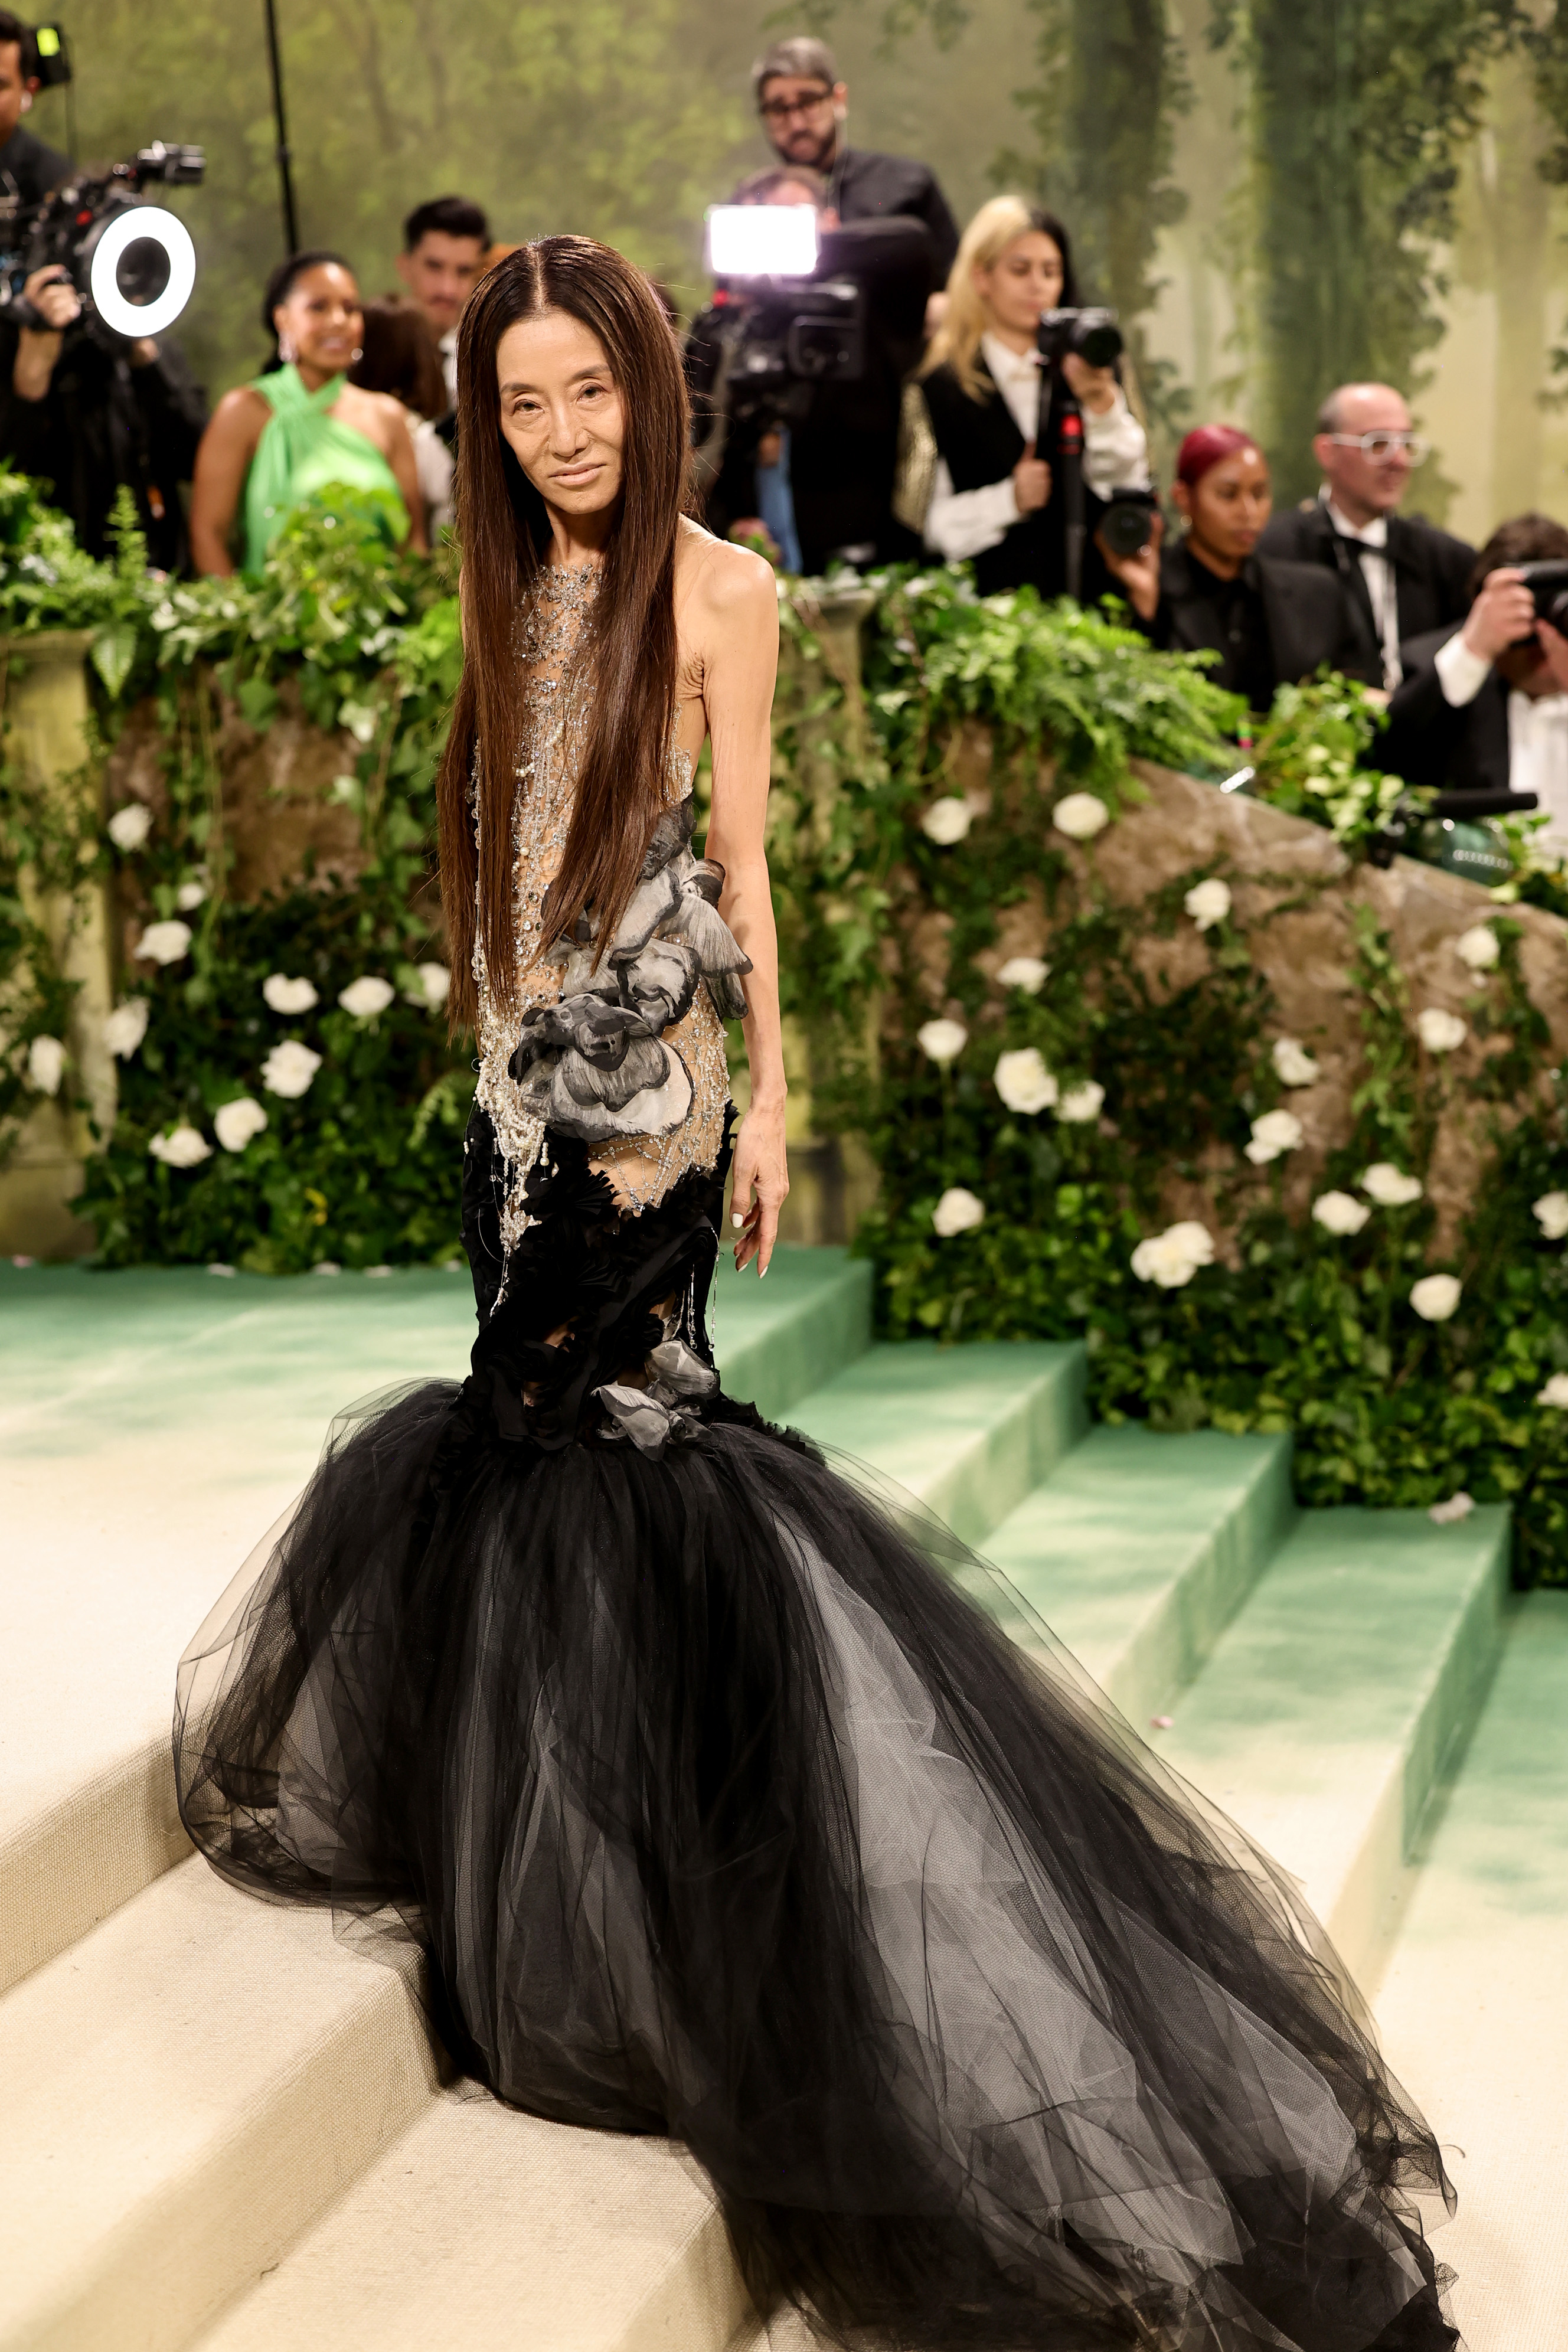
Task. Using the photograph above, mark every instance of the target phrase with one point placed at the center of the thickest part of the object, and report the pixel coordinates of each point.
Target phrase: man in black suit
(804, 107)
(1484, 707)
(28, 169)
(1405, 576)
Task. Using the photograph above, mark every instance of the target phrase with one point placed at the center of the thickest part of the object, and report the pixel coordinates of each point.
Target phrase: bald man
(1405, 576)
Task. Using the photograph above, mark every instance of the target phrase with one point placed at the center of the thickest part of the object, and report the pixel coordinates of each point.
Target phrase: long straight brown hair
(505, 535)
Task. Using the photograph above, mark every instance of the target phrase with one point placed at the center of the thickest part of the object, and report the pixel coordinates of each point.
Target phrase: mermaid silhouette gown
(718, 1807)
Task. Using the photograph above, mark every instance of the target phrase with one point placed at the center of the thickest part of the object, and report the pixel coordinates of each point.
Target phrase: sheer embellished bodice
(647, 1096)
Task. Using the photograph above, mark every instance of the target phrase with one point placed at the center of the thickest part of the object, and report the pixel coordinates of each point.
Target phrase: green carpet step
(1139, 1549)
(171, 1417)
(1470, 2009)
(180, 2096)
(967, 1431)
(1347, 1684)
(489, 2230)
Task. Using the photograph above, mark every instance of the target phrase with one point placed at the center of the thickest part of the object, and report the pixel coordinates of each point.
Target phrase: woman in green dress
(302, 427)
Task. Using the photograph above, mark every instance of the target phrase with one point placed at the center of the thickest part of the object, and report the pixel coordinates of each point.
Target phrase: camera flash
(761, 240)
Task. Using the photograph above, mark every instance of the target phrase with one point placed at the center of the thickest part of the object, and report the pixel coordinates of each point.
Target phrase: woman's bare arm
(733, 628)
(223, 461)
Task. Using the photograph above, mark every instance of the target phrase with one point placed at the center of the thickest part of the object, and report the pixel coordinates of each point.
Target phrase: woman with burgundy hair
(1271, 621)
(720, 1807)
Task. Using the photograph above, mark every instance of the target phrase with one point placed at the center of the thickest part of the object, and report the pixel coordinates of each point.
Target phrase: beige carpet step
(181, 2094)
(488, 2231)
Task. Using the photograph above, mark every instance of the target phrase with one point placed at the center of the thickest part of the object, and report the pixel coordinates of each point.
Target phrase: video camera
(795, 329)
(1093, 336)
(1548, 583)
(131, 263)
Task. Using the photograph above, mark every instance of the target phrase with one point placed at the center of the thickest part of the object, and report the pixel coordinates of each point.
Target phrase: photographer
(997, 414)
(85, 410)
(804, 108)
(28, 169)
(811, 459)
(1405, 576)
(1271, 621)
(1484, 707)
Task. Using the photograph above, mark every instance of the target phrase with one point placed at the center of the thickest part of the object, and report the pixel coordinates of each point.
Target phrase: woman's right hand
(1140, 573)
(1031, 481)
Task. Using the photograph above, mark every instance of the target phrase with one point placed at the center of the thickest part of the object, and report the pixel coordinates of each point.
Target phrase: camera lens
(1100, 345)
(1558, 614)
(1127, 526)
(142, 273)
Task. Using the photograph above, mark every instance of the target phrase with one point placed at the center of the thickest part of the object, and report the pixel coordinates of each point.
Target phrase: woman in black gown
(718, 1809)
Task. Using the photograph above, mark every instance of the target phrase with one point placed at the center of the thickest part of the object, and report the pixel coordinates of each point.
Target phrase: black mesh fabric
(723, 1811)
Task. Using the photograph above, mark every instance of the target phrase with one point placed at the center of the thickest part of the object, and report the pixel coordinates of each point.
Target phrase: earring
(356, 355)
(286, 351)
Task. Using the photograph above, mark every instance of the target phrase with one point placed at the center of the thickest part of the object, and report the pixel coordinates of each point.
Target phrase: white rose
(1275, 1132)
(1028, 972)
(1293, 1066)
(1339, 1212)
(1193, 1237)
(186, 1147)
(236, 1123)
(366, 996)
(1478, 947)
(944, 1041)
(1171, 1259)
(1389, 1186)
(165, 943)
(1555, 1393)
(1080, 1104)
(45, 1065)
(286, 995)
(957, 1211)
(947, 820)
(1081, 816)
(1458, 1507)
(435, 986)
(1209, 902)
(1551, 1213)
(130, 825)
(1438, 1031)
(124, 1028)
(1435, 1296)
(1024, 1082)
(190, 895)
(289, 1068)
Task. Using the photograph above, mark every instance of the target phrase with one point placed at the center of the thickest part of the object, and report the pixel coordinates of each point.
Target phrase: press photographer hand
(1093, 388)
(55, 300)
(1140, 573)
(1031, 481)
(1503, 614)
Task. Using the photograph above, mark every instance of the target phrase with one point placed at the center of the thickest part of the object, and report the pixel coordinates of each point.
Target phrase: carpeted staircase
(220, 2127)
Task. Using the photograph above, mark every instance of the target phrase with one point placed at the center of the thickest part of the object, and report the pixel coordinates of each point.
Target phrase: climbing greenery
(948, 773)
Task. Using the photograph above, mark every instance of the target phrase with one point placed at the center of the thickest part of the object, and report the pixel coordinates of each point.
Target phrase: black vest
(980, 444)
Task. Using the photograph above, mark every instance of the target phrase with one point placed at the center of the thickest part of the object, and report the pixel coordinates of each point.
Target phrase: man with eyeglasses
(1405, 577)
(804, 107)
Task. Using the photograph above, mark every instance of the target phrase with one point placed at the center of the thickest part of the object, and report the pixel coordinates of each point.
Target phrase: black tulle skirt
(722, 1812)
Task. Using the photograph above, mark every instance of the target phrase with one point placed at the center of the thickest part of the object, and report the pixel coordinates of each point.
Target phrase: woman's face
(1023, 282)
(322, 318)
(1227, 507)
(561, 412)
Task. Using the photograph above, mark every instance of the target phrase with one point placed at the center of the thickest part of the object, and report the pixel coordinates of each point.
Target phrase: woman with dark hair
(996, 413)
(400, 355)
(1271, 621)
(719, 1809)
(301, 428)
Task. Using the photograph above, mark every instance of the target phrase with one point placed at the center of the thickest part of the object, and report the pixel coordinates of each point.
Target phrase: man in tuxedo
(1405, 577)
(804, 107)
(1483, 706)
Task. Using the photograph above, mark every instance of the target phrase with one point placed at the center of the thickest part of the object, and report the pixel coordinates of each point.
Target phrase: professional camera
(1128, 523)
(1548, 583)
(132, 262)
(1094, 335)
(793, 330)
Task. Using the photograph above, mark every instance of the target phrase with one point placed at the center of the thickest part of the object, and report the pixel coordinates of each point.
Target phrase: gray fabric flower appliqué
(594, 1064)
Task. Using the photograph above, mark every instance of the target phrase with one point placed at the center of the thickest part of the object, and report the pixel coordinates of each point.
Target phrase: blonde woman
(996, 412)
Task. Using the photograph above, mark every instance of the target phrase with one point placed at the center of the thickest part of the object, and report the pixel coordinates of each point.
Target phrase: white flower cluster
(1171, 1259)
(942, 1041)
(947, 820)
(45, 1065)
(1028, 972)
(1436, 1297)
(289, 1068)
(1275, 1133)
(165, 943)
(1209, 902)
(1081, 815)
(433, 985)
(1478, 947)
(124, 1028)
(367, 996)
(285, 996)
(1024, 1082)
(1551, 1213)
(1293, 1066)
(957, 1211)
(129, 827)
(1438, 1031)
(237, 1123)
(184, 1147)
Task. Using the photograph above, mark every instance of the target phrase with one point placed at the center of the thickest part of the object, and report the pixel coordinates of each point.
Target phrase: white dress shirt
(1537, 736)
(1372, 541)
(960, 523)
